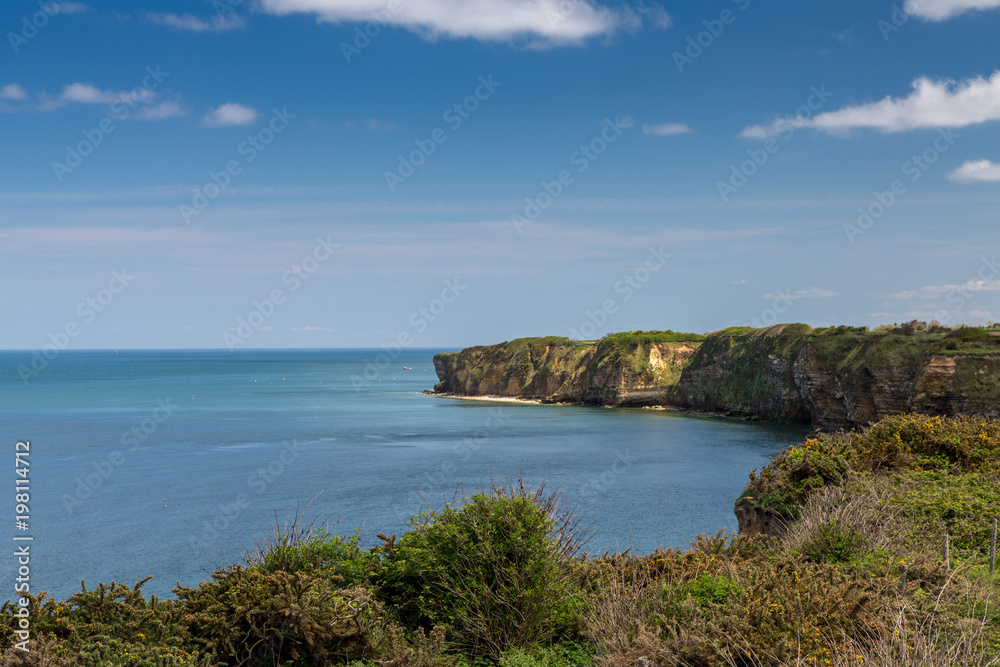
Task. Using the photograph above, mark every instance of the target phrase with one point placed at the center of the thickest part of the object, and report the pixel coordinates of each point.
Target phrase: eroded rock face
(754, 521)
(832, 381)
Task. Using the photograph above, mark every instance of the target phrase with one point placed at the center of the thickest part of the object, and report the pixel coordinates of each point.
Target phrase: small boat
(407, 368)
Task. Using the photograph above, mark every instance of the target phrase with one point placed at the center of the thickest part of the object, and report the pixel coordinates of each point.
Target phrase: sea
(171, 462)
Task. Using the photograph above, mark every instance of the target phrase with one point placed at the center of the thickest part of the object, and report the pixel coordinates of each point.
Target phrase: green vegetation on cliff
(896, 446)
(498, 579)
(833, 377)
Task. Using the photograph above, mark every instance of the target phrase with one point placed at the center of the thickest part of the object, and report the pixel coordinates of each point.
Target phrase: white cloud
(978, 170)
(934, 291)
(932, 104)
(84, 93)
(230, 114)
(142, 103)
(14, 92)
(161, 111)
(939, 10)
(373, 124)
(546, 21)
(657, 16)
(71, 7)
(812, 293)
(195, 24)
(845, 36)
(666, 129)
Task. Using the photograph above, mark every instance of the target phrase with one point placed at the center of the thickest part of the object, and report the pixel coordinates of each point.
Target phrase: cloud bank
(230, 114)
(932, 104)
(976, 171)
(194, 24)
(549, 22)
(940, 10)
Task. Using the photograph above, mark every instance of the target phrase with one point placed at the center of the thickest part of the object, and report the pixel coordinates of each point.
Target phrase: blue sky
(263, 173)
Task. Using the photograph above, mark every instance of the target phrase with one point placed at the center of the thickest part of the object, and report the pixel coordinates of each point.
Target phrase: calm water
(166, 462)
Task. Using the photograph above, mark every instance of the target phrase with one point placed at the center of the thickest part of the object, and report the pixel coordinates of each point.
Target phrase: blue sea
(167, 463)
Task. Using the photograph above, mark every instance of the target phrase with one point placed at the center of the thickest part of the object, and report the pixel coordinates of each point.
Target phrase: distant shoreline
(491, 399)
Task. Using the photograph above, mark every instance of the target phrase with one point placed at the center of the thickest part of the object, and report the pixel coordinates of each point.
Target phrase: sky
(443, 173)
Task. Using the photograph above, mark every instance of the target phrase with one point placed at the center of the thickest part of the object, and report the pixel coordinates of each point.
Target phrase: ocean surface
(167, 463)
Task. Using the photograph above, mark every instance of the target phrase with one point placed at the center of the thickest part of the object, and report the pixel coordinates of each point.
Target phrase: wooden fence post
(993, 548)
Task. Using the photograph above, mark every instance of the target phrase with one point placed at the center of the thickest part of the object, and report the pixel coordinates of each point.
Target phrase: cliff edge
(833, 378)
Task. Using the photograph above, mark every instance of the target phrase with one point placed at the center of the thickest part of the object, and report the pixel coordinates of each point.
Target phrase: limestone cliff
(833, 378)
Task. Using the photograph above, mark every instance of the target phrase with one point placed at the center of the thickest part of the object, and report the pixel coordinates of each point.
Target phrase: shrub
(251, 616)
(560, 655)
(496, 569)
(110, 614)
(299, 547)
(897, 443)
(833, 543)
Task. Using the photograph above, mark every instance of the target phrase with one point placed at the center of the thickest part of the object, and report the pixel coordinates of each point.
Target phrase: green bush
(252, 616)
(833, 543)
(109, 615)
(565, 654)
(897, 443)
(497, 569)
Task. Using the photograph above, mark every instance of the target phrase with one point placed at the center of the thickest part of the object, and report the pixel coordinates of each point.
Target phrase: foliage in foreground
(496, 578)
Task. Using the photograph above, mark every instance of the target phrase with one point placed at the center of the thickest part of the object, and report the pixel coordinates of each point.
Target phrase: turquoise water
(167, 462)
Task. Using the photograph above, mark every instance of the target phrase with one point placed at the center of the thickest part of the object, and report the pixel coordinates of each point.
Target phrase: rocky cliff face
(562, 371)
(832, 378)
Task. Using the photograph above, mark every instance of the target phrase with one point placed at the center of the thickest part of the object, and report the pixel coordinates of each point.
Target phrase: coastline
(657, 408)
(488, 399)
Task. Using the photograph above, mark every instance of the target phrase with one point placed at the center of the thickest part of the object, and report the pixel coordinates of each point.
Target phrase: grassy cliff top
(898, 444)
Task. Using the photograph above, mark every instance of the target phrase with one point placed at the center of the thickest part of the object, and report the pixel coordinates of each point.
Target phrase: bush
(833, 543)
(109, 615)
(561, 655)
(897, 443)
(296, 547)
(497, 569)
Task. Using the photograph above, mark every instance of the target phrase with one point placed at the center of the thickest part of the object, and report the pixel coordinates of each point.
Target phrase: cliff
(833, 378)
